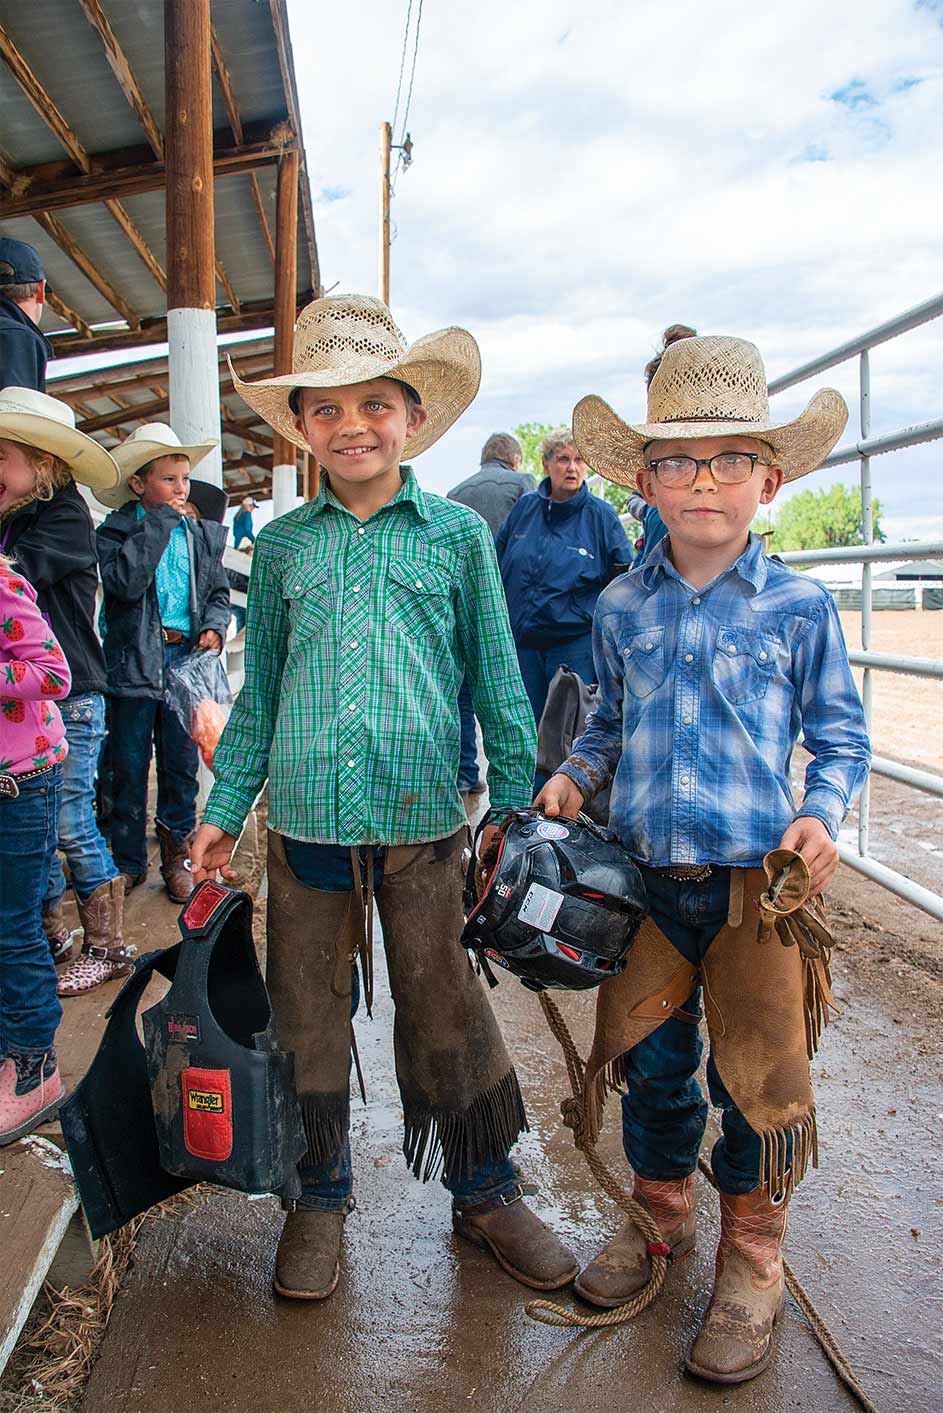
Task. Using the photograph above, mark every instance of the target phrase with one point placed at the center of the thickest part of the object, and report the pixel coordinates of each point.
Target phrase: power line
(409, 94)
(402, 62)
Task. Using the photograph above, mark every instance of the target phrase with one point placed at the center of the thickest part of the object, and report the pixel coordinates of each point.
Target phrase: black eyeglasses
(728, 468)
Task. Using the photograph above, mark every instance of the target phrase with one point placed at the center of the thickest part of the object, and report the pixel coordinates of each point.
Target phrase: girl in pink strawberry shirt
(33, 673)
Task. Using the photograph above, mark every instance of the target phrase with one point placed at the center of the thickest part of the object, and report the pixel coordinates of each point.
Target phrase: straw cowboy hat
(708, 387)
(351, 338)
(146, 444)
(38, 420)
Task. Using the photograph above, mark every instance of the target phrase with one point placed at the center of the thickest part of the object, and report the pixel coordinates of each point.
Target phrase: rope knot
(571, 1113)
(658, 1248)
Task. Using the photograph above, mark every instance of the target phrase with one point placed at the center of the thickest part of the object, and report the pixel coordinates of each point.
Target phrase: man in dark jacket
(166, 594)
(558, 549)
(493, 491)
(24, 351)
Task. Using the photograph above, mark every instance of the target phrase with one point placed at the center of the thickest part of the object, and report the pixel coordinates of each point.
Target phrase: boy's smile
(357, 433)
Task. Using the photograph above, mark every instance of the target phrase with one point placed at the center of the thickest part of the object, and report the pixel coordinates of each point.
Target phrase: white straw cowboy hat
(146, 444)
(38, 420)
(708, 387)
(351, 338)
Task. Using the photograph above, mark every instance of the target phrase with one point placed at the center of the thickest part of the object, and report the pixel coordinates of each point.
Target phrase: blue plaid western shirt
(703, 694)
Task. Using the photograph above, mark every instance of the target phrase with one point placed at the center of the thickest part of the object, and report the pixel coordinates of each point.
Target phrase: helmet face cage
(560, 905)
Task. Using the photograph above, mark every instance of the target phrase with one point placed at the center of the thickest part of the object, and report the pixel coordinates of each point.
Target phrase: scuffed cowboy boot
(736, 1338)
(175, 864)
(519, 1241)
(58, 932)
(30, 1093)
(307, 1262)
(132, 880)
(623, 1267)
(104, 954)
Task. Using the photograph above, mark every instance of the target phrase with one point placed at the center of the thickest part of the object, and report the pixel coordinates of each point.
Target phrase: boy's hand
(211, 850)
(209, 638)
(560, 795)
(809, 837)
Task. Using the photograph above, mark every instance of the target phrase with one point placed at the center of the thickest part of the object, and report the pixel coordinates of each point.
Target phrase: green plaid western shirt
(357, 637)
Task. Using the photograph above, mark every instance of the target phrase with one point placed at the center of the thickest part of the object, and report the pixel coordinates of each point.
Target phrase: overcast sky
(587, 173)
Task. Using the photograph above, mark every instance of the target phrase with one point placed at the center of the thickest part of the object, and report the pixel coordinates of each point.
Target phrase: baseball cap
(27, 266)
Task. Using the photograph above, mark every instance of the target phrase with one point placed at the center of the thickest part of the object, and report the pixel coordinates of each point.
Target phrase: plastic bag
(197, 690)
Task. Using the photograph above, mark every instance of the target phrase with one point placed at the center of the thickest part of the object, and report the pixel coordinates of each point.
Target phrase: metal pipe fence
(866, 555)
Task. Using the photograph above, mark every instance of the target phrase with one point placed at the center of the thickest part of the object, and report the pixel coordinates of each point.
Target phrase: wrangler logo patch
(205, 1101)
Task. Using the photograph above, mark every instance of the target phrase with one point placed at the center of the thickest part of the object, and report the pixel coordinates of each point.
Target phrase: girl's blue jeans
(328, 1185)
(664, 1112)
(29, 1007)
(90, 863)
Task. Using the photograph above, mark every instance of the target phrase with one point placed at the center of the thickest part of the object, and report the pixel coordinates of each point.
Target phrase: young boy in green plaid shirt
(366, 607)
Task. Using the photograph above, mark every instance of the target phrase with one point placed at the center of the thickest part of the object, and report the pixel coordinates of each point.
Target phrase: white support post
(284, 489)
(194, 384)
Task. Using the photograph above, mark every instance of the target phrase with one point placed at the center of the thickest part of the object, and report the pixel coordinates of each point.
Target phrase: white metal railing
(867, 554)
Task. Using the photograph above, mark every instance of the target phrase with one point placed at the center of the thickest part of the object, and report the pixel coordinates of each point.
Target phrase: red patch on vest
(207, 1113)
(203, 904)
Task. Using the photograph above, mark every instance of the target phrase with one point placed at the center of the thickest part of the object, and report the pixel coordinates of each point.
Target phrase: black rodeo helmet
(560, 903)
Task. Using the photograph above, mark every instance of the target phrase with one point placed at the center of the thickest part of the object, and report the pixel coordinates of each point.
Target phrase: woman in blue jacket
(558, 549)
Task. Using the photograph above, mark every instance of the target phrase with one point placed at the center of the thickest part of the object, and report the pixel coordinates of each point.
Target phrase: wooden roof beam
(65, 312)
(243, 432)
(286, 66)
(235, 122)
(122, 71)
(67, 243)
(140, 411)
(227, 287)
(254, 315)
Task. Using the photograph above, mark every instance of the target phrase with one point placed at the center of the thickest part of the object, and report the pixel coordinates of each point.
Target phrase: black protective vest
(211, 1100)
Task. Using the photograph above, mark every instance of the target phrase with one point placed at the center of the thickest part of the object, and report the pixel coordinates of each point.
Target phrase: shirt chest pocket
(744, 663)
(418, 600)
(310, 601)
(643, 661)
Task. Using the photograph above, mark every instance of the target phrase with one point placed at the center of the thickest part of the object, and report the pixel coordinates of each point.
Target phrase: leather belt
(173, 635)
(686, 873)
(9, 788)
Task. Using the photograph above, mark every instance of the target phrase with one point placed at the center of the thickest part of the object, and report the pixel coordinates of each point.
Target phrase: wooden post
(191, 246)
(285, 459)
(386, 139)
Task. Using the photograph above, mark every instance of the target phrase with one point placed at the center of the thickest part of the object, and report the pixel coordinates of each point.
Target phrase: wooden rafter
(90, 387)
(40, 100)
(70, 316)
(143, 411)
(254, 315)
(66, 242)
(227, 286)
(235, 122)
(122, 71)
(243, 431)
(287, 69)
(137, 240)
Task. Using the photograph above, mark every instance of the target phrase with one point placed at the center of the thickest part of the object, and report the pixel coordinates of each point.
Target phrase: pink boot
(30, 1093)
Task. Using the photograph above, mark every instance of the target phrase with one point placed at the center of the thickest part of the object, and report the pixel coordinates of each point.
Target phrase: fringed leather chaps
(766, 997)
(461, 1099)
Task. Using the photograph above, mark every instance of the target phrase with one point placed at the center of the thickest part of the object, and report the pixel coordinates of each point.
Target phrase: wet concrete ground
(421, 1321)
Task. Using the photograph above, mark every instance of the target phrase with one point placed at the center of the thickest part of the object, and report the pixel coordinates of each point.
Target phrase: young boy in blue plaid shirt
(711, 657)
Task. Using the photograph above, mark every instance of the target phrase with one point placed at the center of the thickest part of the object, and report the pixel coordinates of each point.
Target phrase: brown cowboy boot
(307, 1262)
(104, 955)
(623, 1267)
(58, 932)
(175, 864)
(518, 1240)
(736, 1338)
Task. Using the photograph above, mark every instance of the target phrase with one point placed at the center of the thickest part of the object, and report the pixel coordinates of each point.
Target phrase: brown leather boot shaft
(102, 915)
(174, 858)
(736, 1339)
(623, 1267)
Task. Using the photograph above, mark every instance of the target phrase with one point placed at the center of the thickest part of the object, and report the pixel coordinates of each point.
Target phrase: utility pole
(386, 142)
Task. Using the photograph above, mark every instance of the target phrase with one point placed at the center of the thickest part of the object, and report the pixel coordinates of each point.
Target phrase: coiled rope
(549, 1313)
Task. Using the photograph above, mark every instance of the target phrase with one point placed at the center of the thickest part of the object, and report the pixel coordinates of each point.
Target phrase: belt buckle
(8, 787)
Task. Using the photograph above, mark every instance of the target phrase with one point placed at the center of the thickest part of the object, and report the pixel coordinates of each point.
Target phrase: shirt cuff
(226, 810)
(582, 773)
(826, 805)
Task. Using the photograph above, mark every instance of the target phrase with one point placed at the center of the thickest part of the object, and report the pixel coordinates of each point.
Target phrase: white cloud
(586, 174)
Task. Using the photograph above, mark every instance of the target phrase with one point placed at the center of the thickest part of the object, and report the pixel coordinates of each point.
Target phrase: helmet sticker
(546, 830)
(540, 907)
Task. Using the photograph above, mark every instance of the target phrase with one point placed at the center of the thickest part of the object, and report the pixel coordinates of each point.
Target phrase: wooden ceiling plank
(142, 411)
(67, 243)
(121, 69)
(235, 122)
(287, 70)
(240, 430)
(255, 314)
(65, 312)
(227, 286)
(41, 101)
(140, 245)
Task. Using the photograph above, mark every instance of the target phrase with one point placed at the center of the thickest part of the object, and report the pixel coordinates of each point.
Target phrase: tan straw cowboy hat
(146, 444)
(708, 387)
(351, 338)
(38, 420)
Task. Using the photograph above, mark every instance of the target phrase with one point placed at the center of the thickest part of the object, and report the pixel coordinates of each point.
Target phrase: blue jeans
(327, 1186)
(663, 1111)
(468, 750)
(90, 863)
(29, 1007)
(538, 666)
(138, 726)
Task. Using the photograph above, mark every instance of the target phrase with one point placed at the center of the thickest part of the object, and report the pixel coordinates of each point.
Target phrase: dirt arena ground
(908, 711)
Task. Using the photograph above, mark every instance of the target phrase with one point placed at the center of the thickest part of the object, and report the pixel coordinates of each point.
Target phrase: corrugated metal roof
(66, 56)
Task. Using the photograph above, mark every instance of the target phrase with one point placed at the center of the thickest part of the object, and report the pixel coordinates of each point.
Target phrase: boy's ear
(771, 483)
(416, 419)
(136, 483)
(646, 486)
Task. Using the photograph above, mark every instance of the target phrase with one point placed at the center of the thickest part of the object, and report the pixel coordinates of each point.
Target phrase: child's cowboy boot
(58, 934)
(736, 1338)
(520, 1242)
(30, 1093)
(104, 955)
(175, 864)
(307, 1262)
(623, 1267)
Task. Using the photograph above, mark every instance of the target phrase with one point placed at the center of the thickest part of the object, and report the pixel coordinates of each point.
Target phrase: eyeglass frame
(753, 456)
